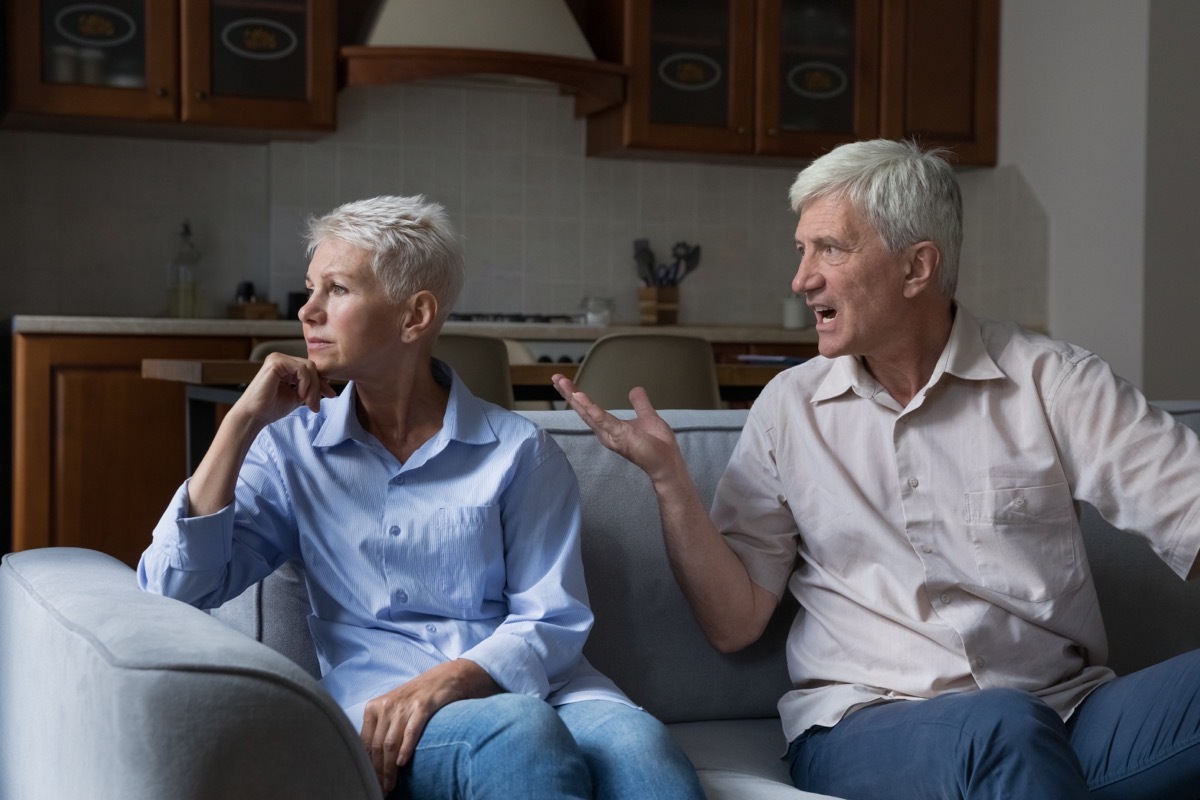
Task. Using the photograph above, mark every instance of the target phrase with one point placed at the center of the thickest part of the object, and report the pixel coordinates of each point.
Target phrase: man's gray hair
(907, 194)
(411, 242)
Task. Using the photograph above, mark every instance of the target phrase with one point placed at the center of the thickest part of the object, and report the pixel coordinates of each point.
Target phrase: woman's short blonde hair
(411, 242)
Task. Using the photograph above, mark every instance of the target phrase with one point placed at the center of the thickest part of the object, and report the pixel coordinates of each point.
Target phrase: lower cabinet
(97, 449)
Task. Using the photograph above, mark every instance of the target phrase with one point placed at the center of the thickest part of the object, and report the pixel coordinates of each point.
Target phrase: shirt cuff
(194, 543)
(512, 663)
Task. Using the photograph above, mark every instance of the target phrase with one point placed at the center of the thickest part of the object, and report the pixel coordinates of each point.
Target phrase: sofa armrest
(108, 691)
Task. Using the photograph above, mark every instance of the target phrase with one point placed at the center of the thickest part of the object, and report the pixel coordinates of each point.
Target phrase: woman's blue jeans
(1135, 737)
(512, 747)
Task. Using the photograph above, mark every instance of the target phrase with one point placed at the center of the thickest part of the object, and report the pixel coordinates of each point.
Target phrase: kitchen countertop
(283, 329)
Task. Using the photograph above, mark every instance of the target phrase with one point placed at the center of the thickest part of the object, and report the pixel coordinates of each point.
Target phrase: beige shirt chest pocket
(1025, 541)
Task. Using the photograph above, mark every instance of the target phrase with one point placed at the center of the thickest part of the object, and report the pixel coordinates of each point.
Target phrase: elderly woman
(439, 535)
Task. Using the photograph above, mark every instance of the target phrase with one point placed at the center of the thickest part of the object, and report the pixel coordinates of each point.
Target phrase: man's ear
(420, 312)
(923, 263)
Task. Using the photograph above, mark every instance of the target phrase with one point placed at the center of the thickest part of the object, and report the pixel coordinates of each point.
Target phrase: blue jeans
(1135, 737)
(514, 746)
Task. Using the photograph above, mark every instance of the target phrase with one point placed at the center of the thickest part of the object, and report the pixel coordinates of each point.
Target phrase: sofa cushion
(736, 759)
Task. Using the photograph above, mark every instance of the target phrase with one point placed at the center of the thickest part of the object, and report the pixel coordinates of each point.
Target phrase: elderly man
(915, 488)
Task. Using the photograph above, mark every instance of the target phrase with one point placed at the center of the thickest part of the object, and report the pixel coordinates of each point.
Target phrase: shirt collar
(964, 356)
(466, 419)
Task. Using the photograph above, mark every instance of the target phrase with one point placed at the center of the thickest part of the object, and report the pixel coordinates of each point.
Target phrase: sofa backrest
(1149, 613)
(645, 637)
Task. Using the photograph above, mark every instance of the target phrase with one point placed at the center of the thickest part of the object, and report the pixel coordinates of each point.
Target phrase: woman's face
(351, 328)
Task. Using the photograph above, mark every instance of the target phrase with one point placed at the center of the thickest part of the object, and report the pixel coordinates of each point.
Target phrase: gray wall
(1171, 353)
(1073, 121)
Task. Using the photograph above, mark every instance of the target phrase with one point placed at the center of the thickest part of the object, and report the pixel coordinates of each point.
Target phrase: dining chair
(520, 353)
(677, 371)
(291, 347)
(481, 362)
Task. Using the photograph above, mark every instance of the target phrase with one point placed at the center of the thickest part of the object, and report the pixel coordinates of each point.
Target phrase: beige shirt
(936, 548)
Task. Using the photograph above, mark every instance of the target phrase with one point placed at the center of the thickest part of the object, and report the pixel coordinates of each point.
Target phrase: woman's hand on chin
(282, 384)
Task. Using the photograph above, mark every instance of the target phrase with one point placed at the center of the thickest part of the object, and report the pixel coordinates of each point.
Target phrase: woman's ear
(921, 268)
(419, 315)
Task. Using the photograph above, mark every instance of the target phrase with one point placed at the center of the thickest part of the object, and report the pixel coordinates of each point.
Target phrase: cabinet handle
(161, 92)
(771, 131)
(741, 130)
(201, 95)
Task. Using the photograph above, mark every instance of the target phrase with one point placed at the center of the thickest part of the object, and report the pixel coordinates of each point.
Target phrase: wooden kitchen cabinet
(237, 63)
(940, 73)
(97, 449)
(791, 79)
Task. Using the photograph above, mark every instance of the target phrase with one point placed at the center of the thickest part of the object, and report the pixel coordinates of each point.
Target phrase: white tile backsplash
(89, 222)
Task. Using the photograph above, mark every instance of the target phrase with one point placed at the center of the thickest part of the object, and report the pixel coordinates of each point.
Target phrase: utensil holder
(658, 305)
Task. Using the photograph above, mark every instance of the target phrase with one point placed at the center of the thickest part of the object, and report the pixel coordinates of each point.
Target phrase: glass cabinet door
(696, 88)
(114, 58)
(818, 74)
(259, 63)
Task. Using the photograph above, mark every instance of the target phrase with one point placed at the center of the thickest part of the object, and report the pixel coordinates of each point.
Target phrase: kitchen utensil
(644, 259)
(690, 256)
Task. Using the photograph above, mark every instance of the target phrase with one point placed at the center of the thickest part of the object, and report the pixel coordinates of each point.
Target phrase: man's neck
(904, 373)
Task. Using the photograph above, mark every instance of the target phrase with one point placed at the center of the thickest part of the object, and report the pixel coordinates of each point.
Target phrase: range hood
(533, 39)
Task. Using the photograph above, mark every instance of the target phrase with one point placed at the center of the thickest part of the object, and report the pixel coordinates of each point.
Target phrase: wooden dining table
(214, 383)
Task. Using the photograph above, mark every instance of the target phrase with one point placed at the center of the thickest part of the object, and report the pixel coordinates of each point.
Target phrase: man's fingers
(640, 399)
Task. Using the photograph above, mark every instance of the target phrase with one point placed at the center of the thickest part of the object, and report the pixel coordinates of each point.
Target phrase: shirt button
(394, 530)
(402, 596)
(926, 548)
(431, 628)
(399, 480)
(1019, 502)
(913, 482)
(979, 662)
(945, 599)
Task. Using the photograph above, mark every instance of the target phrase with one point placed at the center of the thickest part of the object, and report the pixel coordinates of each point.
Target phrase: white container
(91, 66)
(795, 313)
(64, 64)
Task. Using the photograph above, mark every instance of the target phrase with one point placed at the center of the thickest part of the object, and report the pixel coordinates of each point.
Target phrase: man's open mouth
(824, 313)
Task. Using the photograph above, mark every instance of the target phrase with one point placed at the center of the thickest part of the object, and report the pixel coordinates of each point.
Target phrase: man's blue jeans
(1135, 737)
(511, 747)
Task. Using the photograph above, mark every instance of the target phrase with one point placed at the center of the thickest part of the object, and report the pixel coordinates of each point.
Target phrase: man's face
(854, 286)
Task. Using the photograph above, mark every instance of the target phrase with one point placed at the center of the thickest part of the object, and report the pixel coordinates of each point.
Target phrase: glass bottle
(183, 279)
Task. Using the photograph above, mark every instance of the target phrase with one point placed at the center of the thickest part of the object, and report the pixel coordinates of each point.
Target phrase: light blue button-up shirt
(470, 549)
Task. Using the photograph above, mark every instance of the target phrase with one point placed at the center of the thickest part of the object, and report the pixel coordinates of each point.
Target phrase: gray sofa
(109, 692)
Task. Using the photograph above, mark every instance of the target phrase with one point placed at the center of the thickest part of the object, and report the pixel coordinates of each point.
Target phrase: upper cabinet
(239, 63)
(794, 78)
(940, 71)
